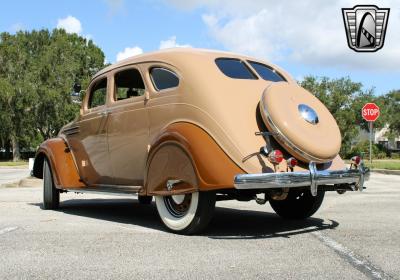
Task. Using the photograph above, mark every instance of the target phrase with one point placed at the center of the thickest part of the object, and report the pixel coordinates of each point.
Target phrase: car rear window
(163, 78)
(266, 72)
(234, 68)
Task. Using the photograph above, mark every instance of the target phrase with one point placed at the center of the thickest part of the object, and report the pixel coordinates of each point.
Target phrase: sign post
(370, 112)
(371, 124)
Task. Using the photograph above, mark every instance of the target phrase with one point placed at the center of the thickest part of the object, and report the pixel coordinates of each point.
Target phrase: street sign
(370, 112)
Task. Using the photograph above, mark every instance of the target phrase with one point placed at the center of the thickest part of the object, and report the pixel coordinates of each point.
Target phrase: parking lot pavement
(11, 175)
(353, 236)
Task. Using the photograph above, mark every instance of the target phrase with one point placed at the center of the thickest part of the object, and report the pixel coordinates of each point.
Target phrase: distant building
(379, 137)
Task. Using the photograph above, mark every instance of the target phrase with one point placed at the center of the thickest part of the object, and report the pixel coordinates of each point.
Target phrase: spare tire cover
(285, 109)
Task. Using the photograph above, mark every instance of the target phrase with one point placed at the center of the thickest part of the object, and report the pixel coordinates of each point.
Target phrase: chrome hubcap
(178, 199)
(308, 114)
(178, 205)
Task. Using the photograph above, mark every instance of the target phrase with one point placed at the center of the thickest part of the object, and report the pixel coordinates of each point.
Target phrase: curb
(14, 167)
(386, 171)
(29, 182)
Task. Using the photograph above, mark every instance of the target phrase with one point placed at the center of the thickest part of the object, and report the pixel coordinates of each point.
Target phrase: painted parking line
(359, 262)
(7, 229)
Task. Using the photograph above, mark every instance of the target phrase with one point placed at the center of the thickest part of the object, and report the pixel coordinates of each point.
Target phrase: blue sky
(304, 37)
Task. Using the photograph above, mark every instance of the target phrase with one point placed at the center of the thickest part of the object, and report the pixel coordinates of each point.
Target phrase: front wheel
(299, 204)
(187, 213)
(51, 195)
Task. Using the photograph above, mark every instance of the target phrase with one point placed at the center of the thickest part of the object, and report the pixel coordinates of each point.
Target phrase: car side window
(235, 68)
(266, 72)
(98, 94)
(163, 78)
(128, 84)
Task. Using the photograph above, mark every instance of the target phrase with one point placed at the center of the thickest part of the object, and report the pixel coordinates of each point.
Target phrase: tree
(344, 99)
(37, 71)
(16, 93)
(391, 114)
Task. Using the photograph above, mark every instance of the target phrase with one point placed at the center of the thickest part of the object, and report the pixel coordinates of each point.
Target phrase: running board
(110, 189)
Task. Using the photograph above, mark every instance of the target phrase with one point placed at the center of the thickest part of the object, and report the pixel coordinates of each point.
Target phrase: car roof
(174, 56)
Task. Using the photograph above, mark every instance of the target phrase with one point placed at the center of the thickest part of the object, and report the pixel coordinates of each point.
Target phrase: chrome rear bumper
(353, 178)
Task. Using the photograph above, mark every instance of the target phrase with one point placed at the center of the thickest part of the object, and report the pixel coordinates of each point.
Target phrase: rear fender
(184, 151)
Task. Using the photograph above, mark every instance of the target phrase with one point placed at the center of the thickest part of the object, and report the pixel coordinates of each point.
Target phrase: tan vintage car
(192, 127)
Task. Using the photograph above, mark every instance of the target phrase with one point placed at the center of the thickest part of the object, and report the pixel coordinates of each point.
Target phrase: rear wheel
(299, 204)
(51, 195)
(187, 213)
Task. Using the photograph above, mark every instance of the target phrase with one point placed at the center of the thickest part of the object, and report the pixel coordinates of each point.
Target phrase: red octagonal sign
(370, 112)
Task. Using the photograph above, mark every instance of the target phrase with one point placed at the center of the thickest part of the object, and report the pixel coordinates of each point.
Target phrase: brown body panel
(185, 151)
(56, 151)
(87, 139)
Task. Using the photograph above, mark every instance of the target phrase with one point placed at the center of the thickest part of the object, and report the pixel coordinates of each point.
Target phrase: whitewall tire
(188, 213)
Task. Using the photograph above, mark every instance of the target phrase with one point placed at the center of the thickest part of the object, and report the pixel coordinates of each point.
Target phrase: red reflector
(275, 156)
(356, 160)
(291, 162)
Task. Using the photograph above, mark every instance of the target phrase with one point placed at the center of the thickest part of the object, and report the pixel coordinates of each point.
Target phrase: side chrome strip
(110, 189)
(71, 130)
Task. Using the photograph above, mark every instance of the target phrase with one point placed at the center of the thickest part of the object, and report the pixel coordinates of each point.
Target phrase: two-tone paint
(201, 132)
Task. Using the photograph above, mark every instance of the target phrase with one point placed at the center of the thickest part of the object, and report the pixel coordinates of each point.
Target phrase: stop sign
(370, 112)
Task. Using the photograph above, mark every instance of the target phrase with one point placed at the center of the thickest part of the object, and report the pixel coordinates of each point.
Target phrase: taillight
(291, 162)
(275, 156)
(356, 160)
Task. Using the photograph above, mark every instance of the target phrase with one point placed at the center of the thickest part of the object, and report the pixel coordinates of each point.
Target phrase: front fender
(56, 151)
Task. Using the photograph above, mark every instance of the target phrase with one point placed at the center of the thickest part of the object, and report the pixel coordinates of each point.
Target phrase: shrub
(395, 156)
(362, 148)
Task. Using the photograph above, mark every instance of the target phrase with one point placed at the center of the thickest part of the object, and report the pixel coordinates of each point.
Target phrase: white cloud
(308, 32)
(128, 52)
(70, 24)
(171, 43)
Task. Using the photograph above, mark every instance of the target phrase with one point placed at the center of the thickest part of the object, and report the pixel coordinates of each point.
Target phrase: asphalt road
(353, 236)
(11, 175)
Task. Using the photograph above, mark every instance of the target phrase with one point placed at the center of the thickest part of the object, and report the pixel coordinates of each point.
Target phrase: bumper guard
(353, 178)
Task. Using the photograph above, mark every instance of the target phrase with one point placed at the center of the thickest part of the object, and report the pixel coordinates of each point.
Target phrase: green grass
(391, 164)
(384, 164)
(13, 163)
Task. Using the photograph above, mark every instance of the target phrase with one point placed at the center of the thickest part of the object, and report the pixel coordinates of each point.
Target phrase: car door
(128, 127)
(88, 138)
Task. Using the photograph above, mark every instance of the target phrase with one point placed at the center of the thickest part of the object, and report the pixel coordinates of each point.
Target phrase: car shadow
(231, 223)
(119, 210)
(228, 223)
